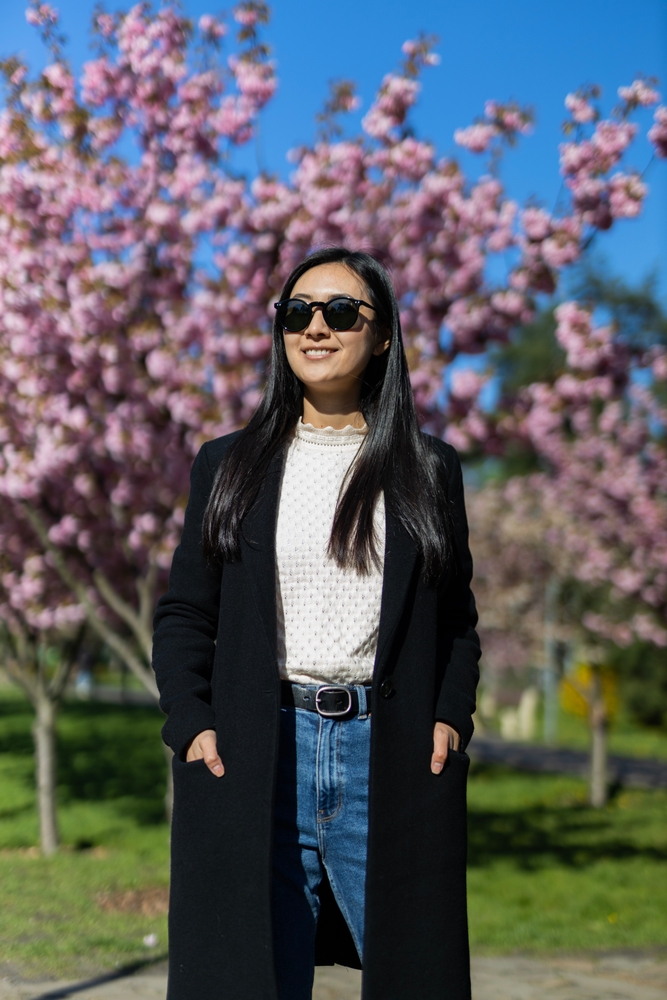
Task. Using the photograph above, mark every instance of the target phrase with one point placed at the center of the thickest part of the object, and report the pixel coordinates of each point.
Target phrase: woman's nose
(317, 326)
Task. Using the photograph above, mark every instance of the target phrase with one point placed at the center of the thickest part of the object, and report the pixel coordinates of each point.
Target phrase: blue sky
(534, 52)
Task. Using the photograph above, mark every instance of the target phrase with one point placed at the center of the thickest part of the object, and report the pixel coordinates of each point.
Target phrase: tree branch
(146, 590)
(113, 640)
(23, 680)
(70, 653)
(20, 657)
(124, 611)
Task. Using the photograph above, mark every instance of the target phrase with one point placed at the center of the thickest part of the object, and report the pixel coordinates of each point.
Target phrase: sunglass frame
(324, 306)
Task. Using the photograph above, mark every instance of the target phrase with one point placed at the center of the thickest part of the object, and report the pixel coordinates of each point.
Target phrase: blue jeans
(321, 823)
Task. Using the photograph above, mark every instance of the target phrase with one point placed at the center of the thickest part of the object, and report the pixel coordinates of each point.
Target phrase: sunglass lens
(295, 315)
(341, 314)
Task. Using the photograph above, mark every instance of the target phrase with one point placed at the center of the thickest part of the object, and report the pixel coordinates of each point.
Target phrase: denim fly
(321, 823)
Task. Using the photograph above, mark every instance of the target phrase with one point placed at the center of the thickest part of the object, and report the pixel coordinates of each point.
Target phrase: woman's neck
(337, 413)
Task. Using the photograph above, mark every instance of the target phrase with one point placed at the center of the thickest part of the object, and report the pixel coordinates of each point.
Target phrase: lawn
(546, 872)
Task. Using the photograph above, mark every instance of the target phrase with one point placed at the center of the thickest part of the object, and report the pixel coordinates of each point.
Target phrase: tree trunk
(44, 735)
(598, 721)
(550, 673)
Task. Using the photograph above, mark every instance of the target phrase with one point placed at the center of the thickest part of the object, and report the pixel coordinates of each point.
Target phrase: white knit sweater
(328, 618)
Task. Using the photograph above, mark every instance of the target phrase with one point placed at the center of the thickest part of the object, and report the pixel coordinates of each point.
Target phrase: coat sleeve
(186, 624)
(456, 700)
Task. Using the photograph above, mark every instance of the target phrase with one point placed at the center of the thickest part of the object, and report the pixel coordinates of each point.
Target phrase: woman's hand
(205, 747)
(444, 738)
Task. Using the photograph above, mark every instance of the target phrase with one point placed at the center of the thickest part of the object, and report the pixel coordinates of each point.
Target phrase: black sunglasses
(340, 313)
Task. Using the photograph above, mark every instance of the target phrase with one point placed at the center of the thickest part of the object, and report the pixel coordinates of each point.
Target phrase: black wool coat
(216, 668)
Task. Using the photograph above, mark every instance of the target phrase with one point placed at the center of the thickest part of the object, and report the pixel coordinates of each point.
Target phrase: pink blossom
(580, 109)
(626, 194)
(611, 139)
(621, 634)
(18, 76)
(255, 81)
(639, 94)
(99, 82)
(105, 132)
(659, 366)
(105, 24)
(465, 383)
(397, 94)
(562, 246)
(41, 14)
(658, 133)
(408, 158)
(245, 16)
(209, 25)
(588, 192)
(536, 223)
(648, 629)
(511, 303)
(58, 76)
(576, 156)
(476, 138)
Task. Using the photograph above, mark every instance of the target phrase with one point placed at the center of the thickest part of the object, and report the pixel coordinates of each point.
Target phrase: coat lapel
(399, 564)
(259, 547)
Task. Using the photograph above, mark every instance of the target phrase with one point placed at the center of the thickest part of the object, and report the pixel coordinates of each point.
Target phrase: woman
(317, 660)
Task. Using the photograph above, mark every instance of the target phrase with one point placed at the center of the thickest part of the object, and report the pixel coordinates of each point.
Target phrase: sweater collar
(330, 435)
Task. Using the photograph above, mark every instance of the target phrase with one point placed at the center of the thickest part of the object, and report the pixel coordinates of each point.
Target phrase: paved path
(611, 977)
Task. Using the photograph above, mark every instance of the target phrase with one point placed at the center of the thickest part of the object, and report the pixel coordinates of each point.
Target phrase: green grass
(111, 779)
(546, 872)
(626, 738)
(51, 923)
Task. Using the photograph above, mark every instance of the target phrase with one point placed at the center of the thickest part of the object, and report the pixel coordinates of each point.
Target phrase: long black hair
(395, 457)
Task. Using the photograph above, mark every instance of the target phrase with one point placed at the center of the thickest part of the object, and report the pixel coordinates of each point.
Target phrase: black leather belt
(331, 701)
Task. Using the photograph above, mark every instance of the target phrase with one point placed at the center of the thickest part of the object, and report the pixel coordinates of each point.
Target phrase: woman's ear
(383, 342)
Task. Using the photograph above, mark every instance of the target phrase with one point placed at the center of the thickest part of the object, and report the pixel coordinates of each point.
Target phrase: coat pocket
(198, 796)
(191, 765)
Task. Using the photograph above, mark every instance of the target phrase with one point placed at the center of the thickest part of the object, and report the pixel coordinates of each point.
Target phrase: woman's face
(324, 360)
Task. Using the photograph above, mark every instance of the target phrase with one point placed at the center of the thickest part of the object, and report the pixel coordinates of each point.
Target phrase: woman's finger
(211, 758)
(440, 748)
(204, 747)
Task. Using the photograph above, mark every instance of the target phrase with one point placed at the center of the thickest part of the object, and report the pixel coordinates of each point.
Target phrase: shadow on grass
(113, 752)
(127, 970)
(104, 752)
(566, 833)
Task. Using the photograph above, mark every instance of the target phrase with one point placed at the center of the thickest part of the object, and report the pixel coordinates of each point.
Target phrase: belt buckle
(332, 687)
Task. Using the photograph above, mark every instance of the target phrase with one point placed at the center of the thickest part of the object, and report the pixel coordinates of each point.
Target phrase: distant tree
(636, 311)
(642, 672)
(532, 354)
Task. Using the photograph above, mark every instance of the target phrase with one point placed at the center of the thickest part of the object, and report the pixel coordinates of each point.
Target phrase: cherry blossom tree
(602, 436)
(105, 367)
(599, 427)
(139, 270)
(96, 439)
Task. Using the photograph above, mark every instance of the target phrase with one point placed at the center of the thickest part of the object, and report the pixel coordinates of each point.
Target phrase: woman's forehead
(325, 280)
